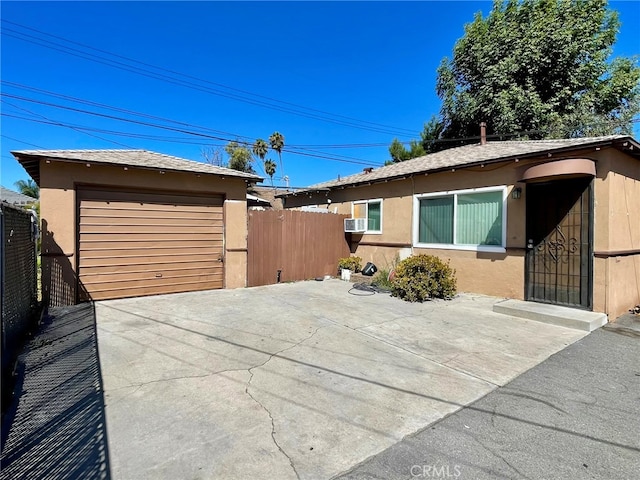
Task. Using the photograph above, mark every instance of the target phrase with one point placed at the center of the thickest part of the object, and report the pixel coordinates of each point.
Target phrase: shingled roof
(471, 155)
(15, 198)
(30, 160)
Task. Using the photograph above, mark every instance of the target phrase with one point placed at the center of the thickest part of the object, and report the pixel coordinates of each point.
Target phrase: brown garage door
(133, 244)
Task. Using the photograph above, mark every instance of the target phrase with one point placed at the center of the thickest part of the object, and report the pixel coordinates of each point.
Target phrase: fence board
(301, 245)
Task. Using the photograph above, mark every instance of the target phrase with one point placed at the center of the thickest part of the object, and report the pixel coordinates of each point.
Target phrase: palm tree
(270, 169)
(260, 148)
(28, 187)
(277, 143)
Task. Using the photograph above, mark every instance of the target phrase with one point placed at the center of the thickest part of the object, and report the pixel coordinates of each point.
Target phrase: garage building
(125, 223)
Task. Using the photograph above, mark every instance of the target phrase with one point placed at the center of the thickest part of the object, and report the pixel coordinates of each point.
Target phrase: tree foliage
(270, 169)
(431, 132)
(260, 148)
(242, 155)
(539, 66)
(28, 187)
(239, 157)
(277, 143)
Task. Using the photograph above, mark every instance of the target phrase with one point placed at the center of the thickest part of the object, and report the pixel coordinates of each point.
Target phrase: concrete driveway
(296, 380)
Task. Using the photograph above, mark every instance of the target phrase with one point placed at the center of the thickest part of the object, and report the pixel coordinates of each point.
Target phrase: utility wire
(114, 108)
(288, 148)
(21, 141)
(174, 72)
(321, 115)
(67, 126)
(56, 123)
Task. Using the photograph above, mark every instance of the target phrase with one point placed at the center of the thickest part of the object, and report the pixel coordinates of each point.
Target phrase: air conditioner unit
(355, 224)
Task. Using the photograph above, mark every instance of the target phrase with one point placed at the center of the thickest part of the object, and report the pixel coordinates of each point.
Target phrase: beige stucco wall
(616, 226)
(617, 234)
(58, 183)
(499, 274)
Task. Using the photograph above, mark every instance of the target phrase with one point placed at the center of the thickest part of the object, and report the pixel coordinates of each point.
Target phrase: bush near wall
(423, 277)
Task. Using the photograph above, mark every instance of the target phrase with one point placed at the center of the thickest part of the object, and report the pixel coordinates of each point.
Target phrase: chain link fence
(18, 272)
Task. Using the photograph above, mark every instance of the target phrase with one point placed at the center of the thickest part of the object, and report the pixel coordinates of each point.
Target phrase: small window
(466, 219)
(372, 211)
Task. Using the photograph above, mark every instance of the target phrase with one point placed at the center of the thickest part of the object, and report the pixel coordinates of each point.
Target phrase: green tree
(239, 157)
(270, 169)
(28, 187)
(428, 143)
(400, 153)
(260, 148)
(540, 66)
(277, 143)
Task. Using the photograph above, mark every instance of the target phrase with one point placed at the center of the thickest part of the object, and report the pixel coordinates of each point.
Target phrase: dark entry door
(559, 246)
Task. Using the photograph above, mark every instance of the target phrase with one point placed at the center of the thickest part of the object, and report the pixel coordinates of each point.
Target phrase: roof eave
(31, 163)
(602, 143)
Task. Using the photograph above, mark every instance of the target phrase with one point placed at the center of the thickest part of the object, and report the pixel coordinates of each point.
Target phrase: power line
(67, 126)
(111, 107)
(266, 103)
(145, 115)
(56, 123)
(22, 141)
(66, 107)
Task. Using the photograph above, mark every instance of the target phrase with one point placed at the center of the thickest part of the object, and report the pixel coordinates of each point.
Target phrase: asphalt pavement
(574, 416)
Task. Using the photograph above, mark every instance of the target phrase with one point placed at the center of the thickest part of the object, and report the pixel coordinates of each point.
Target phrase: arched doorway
(559, 257)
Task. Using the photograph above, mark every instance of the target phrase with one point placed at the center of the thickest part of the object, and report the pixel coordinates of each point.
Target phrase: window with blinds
(462, 219)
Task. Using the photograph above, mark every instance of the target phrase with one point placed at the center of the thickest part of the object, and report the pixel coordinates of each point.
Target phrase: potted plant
(349, 265)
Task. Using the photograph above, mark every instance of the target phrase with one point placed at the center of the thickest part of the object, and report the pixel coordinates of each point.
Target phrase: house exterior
(122, 223)
(553, 221)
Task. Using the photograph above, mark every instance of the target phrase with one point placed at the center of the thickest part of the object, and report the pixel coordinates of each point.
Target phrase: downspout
(413, 207)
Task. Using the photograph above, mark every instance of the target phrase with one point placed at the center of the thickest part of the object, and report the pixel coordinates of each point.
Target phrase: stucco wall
(58, 182)
(499, 274)
(617, 234)
(616, 226)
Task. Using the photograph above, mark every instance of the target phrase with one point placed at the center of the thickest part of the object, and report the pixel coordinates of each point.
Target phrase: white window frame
(454, 193)
(366, 202)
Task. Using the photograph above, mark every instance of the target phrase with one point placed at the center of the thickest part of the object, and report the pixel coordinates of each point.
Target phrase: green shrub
(423, 277)
(381, 279)
(350, 263)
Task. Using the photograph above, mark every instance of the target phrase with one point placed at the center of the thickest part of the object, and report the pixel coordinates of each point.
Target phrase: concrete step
(552, 314)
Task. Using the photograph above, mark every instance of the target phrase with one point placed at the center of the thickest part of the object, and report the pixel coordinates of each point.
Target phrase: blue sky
(369, 68)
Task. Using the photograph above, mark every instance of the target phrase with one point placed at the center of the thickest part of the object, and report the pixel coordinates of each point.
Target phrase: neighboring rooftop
(476, 154)
(269, 194)
(15, 198)
(30, 160)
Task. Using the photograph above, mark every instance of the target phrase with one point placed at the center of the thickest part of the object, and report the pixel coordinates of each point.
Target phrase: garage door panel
(144, 237)
(143, 244)
(109, 281)
(111, 211)
(125, 252)
(181, 244)
(123, 206)
(145, 229)
(121, 285)
(152, 290)
(151, 263)
(151, 221)
(91, 196)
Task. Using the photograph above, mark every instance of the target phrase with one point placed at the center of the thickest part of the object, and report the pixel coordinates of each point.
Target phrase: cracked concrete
(295, 380)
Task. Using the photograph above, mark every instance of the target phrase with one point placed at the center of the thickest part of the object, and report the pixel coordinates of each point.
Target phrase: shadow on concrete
(56, 426)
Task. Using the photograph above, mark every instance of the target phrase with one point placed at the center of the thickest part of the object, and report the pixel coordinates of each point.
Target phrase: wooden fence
(290, 245)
